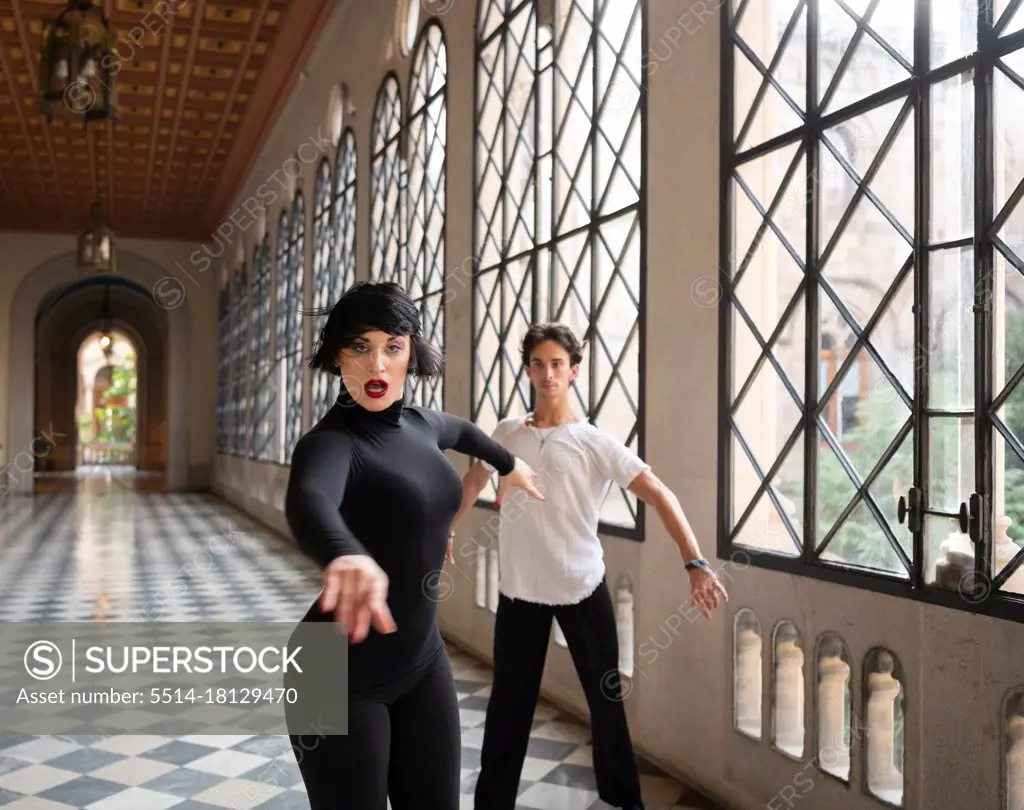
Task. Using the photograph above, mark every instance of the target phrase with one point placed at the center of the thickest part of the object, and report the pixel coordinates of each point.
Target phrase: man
(552, 566)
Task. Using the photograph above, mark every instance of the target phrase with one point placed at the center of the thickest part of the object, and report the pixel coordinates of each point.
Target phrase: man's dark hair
(559, 333)
(367, 306)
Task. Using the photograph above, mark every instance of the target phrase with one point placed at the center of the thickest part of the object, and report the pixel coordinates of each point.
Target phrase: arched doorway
(106, 405)
(54, 310)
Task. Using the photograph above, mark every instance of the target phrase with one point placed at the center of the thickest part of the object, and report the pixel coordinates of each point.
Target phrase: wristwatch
(700, 563)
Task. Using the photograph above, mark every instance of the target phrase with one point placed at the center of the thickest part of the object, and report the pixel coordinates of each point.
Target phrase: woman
(371, 497)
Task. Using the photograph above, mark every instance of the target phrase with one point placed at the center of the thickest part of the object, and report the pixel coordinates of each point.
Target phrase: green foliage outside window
(113, 424)
(860, 540)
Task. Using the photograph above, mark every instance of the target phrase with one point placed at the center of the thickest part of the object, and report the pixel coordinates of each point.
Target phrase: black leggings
(404, 741)
(521, 635)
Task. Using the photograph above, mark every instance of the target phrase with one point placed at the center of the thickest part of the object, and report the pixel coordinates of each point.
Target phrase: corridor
(105, 547)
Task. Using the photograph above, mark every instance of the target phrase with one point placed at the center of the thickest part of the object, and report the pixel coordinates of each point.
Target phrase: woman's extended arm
(312, 504)
(464, 437)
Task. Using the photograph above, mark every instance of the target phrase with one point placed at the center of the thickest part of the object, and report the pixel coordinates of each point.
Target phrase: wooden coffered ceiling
(197, 96)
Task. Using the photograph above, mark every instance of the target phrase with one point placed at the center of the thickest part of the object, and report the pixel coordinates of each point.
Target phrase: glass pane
(896, 196)
(892, 483)
(1016, 23)
(764, 177)
(951, 329)
(952, 159)
(773, 116)
(861, 541)
(871, 68)
(789, 349)
(857, 142)
(954, 30)
(762, 26)
(950, 462)
(835, 489)
(1008, 507)
(1007, 137)
(1008, 309)
(893, 337)
(870, 251)
(764, 528)
(768, 284)
(948, 556)
(767, 416)
(864, 412)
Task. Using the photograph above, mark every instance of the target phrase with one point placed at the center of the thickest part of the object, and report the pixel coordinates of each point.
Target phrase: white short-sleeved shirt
(549, 551)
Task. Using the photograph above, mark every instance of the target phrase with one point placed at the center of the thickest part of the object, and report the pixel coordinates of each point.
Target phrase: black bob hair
(367, 306)
(560, 333)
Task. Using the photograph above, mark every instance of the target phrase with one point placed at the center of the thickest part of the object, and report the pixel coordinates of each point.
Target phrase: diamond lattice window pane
(892, 483)
(869, 67)
(763, 178)
(767, 415)
(951, 157)
(1008, 508)
(861, 541)
(387, 173)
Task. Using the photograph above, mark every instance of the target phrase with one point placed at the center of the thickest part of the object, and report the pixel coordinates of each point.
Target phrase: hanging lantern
(96, 244)
(78, 64)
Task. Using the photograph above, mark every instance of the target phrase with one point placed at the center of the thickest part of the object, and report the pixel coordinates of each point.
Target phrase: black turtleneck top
(378, 483)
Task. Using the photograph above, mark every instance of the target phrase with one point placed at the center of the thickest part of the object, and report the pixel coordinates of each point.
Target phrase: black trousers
(404, 741)
(521, 634)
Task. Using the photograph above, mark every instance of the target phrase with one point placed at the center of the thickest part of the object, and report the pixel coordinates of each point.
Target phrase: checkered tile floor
(109, 553)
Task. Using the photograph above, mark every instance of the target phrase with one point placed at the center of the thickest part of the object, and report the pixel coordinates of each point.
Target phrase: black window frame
(592, 228)
(980, 594)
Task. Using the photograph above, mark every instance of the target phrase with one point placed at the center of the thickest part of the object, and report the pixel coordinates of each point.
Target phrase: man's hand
(523, 477)
(706, 592)
(356, 589)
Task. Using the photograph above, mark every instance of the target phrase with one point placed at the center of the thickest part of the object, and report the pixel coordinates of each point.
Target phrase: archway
(150, 326)
(106, 404)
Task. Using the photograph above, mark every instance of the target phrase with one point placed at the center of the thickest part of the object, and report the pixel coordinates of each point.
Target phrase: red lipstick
(375, 388)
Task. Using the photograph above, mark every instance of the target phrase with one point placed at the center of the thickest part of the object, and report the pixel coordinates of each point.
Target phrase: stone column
(833, 676)
(748, 681)
(883, 776)
(789, 691)
(1015, 764)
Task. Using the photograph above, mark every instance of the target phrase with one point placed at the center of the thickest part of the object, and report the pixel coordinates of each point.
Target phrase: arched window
(344, 213)
(263, 389)
(240, 334)
(324, 284)
(335, 260)
(387, 185)
(427, 139)
(224, 369)
(291, 259)
(559, 225)
(281, 319)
